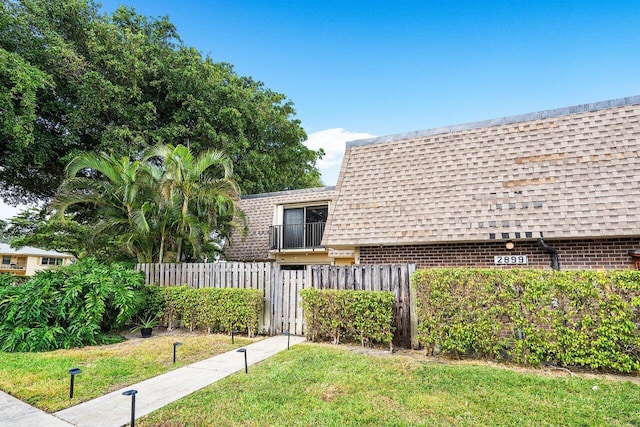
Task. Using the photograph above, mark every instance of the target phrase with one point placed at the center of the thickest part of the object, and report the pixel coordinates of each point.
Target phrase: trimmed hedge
(566, 318)
(213, 309)
(364, 316)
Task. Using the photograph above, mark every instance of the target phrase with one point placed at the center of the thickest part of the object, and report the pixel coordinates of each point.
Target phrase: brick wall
(259, 210)
(608, 254)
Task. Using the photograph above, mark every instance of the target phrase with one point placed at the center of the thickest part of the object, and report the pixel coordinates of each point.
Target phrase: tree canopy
(74, 80)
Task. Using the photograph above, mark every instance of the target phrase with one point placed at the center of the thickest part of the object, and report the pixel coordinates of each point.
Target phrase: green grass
(330, 386)
(42, 379)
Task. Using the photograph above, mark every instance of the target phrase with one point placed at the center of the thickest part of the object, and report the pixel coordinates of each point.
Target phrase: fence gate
(288, 303)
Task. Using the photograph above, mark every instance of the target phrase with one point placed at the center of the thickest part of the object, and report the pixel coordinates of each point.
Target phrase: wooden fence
(254, 275)
(283, 308)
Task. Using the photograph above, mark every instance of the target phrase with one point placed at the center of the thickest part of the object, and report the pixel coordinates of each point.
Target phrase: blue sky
(360, 68)
(386, 67)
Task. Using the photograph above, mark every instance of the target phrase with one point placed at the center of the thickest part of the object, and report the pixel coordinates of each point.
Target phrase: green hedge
(364, 316)
(213, 309)
(568, 318)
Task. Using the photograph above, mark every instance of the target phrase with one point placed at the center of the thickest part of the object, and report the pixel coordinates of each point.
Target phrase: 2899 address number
(510, 259)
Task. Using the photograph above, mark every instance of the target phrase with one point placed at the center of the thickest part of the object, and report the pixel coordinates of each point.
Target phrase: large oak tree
(74, 80)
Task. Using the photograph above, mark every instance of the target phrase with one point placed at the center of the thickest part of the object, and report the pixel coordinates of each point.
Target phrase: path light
(175, 344)
(132, 393)
(288, 337)
(73, 372)
(246, 367)
(233, 333)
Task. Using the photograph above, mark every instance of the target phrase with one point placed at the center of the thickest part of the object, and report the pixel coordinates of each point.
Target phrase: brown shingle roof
(570, 172)
(260, 209)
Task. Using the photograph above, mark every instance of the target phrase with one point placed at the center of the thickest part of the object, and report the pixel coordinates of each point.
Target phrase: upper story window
(302, 227)
(6, 259)
(51, 261)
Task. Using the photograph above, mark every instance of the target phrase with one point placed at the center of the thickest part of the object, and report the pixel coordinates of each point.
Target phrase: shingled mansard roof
(260, 210)
(5, 249)
(569, 173)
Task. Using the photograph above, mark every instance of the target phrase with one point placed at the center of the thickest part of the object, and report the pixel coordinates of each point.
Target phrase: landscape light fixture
(288, 338)
(509, 245)
(175, 344)
(246, 367)
(132, 393)
(73, 372)
(233, 334)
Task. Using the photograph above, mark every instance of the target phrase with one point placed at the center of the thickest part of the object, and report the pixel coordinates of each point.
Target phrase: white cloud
(332, 141)
(7, 211)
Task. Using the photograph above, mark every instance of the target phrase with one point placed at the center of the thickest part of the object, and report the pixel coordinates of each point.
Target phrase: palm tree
(206, 205)
(118, 188)
(163, 206)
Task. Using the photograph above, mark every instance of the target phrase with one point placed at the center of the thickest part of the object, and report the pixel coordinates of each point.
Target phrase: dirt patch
(331, 393)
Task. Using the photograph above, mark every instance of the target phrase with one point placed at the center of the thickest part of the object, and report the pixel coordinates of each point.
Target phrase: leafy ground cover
(42, 379)
(324, 385)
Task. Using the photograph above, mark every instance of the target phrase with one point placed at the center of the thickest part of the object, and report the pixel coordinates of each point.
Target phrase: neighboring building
(26, 261)
(481, 194)
(287, 227)
(557, 186)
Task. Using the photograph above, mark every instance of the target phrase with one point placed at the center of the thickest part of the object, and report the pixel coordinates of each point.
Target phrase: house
(287, 227)
(554, 188)
(26, 261)
(551, 189)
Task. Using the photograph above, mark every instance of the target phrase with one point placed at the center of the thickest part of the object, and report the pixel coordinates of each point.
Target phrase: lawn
(42, 379)
(330, 386)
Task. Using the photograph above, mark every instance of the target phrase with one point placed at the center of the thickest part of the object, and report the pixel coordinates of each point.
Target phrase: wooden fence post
(413, 312)
(276, 296)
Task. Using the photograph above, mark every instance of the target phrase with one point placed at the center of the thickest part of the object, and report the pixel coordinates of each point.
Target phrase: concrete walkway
(16, 413)
(114, 409)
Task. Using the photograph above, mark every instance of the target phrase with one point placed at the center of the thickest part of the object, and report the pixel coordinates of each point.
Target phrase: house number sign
(510, 259)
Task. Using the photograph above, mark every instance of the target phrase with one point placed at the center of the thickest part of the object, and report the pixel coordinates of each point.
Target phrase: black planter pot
(146, 332)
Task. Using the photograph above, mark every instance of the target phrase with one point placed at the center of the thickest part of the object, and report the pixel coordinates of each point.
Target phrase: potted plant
(145, 325)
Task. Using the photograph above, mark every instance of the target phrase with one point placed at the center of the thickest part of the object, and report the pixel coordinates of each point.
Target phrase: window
(302, 227)
(51, 261)
(6, 259)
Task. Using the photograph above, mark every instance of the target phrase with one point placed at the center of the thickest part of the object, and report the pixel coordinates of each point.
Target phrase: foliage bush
(364, 316)
(7, 279)
(213, 309)
(70, 306)
(568, 318)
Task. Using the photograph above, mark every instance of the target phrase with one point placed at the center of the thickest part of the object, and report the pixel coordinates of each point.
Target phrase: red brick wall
(608, 254)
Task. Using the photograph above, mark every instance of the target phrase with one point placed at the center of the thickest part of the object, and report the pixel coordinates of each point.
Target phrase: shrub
(584, 318)
(173, 305)
(69, 306)
(7, 279)
(213, 309)
(364, 316)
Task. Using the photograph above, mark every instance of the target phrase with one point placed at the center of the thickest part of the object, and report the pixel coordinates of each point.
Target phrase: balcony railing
(12, 267)
(296, 236)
